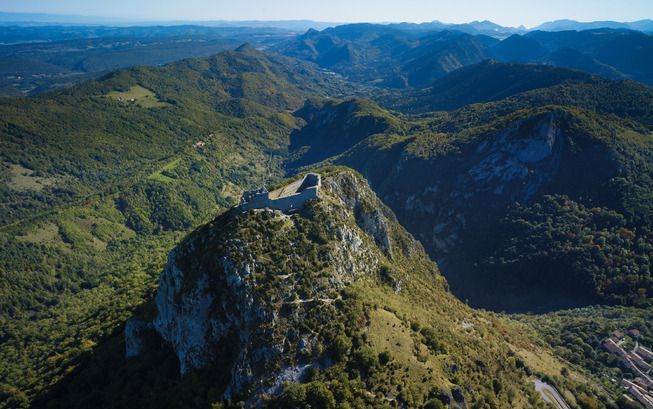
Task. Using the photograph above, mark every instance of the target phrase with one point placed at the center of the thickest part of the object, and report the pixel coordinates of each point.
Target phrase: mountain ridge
(483, 82)
(563, 25)
(538, 170)
(389, 57)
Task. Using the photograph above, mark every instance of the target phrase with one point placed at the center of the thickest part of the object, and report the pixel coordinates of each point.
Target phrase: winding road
(550, 394)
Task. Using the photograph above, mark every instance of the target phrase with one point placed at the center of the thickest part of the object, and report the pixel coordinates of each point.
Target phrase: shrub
(384, 357)
(364, 360)
(434, 404)
(318, 396)
(431, 340)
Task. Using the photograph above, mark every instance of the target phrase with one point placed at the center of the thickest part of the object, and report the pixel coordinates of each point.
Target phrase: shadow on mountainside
(509, 296)
(105, 378)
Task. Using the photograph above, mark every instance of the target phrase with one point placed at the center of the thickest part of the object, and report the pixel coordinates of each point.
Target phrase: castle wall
(293, 202)
(310, 180)
(306, 191)
(257, 202)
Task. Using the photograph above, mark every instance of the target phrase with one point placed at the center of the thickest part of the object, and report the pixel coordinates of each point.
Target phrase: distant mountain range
(39, 55)
(35, 59)
(387, 56)
(475, 27)
(405, 55)
(41, 18)
(562, 25)
(61, 19)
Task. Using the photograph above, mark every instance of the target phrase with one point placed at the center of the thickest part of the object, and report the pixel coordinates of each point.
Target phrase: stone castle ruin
(288, 198)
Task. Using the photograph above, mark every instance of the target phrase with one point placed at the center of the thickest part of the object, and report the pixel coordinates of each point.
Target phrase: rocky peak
(322, 306)
(248, 49)
(235, 292)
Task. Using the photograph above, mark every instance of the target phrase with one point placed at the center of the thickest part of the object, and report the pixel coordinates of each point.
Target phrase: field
(138, 95)
(161, 175)
(23, 179)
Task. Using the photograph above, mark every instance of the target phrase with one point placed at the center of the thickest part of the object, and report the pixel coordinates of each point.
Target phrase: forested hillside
(483, 82)
(97, 188)
(537, 205)
(529, 185)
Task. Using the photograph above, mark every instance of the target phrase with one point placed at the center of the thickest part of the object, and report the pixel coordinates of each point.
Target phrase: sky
(505, 12)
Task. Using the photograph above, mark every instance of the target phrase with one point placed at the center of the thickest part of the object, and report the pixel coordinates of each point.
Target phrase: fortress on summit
(288, 198)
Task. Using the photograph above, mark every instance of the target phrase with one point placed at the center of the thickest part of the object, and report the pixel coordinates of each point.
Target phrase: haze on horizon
(504, 12)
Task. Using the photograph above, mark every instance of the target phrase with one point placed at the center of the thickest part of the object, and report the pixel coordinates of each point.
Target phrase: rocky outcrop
(351, 258)
(222, 302)
(453, 190)
(514, 158)
(369, 212)
(134, 329)
(183, 316)
(438, 197)
(215, 319)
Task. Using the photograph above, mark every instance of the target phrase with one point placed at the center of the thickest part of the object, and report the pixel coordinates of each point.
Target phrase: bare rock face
(215, 320)
(134, 329)
(530, 160)
(370, 218)
(438, 197)
(183, 316)
(513, 166)
(233, 295)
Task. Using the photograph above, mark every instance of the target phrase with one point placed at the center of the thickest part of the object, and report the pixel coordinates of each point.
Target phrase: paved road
(550, 394)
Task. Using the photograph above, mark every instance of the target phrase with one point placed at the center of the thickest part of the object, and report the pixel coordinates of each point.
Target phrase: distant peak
(247, 48)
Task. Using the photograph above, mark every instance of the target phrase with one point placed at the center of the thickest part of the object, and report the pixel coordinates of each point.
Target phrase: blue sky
(505, 12)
